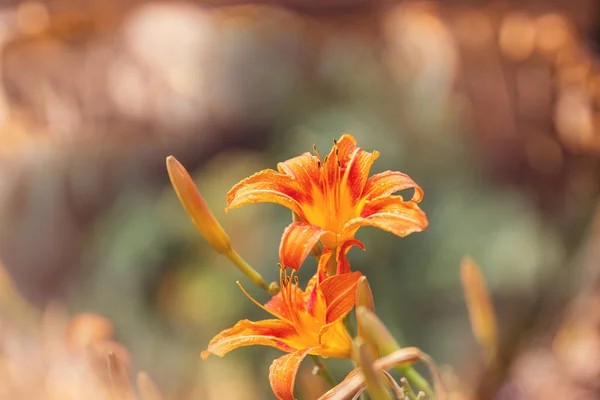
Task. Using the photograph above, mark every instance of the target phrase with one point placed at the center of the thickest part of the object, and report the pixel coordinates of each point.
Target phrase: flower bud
(374, 380)
(374, 332)
(147, 387)
(479, 305)
(119, 378)
(364, 298)
(364, 295)
(196, 207)
(206, 222)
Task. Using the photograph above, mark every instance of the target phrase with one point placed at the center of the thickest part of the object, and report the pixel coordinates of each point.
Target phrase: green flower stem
(322, 370)
(251, 273)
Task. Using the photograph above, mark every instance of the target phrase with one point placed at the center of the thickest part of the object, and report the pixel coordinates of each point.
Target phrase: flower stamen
(316, 152)
(252, 299)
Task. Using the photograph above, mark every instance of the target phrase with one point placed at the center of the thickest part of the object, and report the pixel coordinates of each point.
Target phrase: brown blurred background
(492, 107)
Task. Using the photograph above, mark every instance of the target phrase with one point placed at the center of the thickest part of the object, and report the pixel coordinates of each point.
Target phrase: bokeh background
(492, 107)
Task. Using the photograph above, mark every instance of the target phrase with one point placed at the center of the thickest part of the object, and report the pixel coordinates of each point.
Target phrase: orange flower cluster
(330, 198)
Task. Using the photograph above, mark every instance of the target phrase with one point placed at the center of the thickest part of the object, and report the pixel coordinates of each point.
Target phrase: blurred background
(492, 107)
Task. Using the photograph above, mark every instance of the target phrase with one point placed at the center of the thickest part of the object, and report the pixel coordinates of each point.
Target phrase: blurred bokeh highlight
(492, 107)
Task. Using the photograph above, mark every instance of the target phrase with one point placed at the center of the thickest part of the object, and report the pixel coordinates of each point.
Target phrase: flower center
(333, 204)
(307, 324)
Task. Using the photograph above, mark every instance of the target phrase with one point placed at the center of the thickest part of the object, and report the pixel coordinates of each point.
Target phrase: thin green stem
(322, 370)
(251, 273)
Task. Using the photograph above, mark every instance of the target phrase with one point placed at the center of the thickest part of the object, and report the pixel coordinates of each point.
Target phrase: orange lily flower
(332, 197)
(306, 322)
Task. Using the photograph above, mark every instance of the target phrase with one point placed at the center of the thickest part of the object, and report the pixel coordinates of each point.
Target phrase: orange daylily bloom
(306, 322)
(332, 197)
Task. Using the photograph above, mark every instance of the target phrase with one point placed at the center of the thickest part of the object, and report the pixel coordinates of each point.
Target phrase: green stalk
(251, 273)
(322, 371)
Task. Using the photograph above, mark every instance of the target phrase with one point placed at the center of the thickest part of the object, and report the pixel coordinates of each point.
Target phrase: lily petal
(390, 182)
(346, 388)
(335, 341)
(315, 301)
(324, 264)
(267, 186)
(311, 286)
(391, 214)
(270, 332)
(343, 266)
(338, 158)
(340, 294)
(356, 174)
(355, 379)
(346, 146)
(296, 243)
(282, 373)
(304, 169)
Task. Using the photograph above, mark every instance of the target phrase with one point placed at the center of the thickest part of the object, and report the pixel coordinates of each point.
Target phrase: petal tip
(347, 136)
(173, 164)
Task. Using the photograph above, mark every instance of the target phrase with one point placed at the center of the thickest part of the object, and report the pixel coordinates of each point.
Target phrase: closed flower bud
(196, 207)
(374, 379)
